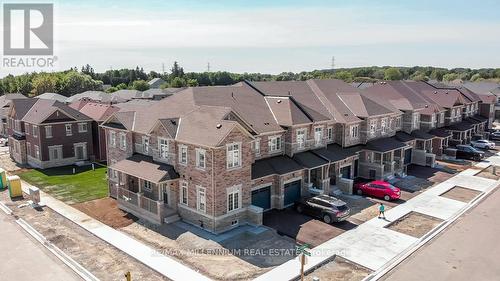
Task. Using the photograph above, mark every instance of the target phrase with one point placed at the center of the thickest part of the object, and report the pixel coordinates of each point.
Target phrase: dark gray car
(327, 208)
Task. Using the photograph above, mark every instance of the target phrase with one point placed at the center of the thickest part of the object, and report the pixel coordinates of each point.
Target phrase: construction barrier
(15, 189)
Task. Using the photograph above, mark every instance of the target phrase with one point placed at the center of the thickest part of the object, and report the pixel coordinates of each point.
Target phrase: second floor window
(415, 120)
(145, 145)
(112, 139)
(184, 193)
(37, 152)
(163, 148)
(69, 130)
(48, 132)
(373, 127)
(383, 125)
(123, 141)
(183, 154)
(398, 122)
(318, 135)
(256, 146)
(301, 139)
(82, 127)
(354, 131)
(148, 186)
(35, 130)
(233, 153)
(200, 158)
(330, 133)
(274, 144)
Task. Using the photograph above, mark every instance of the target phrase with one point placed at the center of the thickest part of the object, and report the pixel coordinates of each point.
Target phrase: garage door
(262, 198)
(292, 192)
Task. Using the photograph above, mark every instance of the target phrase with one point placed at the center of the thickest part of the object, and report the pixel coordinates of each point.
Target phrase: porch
(461, 133)
(422, 152)
(316, 178)
(440, 142)
(384, 158)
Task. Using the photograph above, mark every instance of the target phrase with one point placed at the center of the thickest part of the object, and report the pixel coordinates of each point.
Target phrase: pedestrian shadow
(385, 219)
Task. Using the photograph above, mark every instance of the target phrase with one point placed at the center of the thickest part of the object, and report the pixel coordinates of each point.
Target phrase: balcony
(140, 205)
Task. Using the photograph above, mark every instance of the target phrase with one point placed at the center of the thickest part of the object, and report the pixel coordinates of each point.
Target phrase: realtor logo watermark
(28, 36)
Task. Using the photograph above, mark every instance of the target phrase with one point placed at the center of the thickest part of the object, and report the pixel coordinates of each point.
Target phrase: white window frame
(256, 146)
(233, 155)
(147, 185)
(28, 148)
(35, 130)
(59, 150)
(200, 152)
(123, 141)
(69, 129)
(112, 138)
(48, 132)
(318, 135)
(275, 144)
(184, 192)
(301, 141)
(232, 192)
(354, 131)
(373, 127)
(27, 128)
(201, 199)
(145, 144)
(383, 125)
(81, 127)
(163, 148)
(398, 122)
(416, 119)
(183, 149)
(37, 151)
(329, 132)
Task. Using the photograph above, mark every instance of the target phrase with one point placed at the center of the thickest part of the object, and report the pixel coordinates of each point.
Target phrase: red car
(380, 189)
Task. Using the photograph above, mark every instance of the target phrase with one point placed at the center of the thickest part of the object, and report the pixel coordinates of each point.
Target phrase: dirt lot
(100, 258)
(490, 173)
(414, 224)
(339, 269)
(106, 211)
(461, 194)
(248, 254)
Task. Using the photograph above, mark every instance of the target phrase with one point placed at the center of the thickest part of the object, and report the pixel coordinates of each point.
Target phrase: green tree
(392, 73)
(44, 83)
(74, 82)
(178, 82)
(176, 71)
(121, 86)
(111, 90)
(140, 85)
(476, 77)
(450, 77)
(192, 83)
(346, 76)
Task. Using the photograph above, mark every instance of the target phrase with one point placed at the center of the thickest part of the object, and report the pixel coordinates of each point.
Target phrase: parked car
(469, 152)
(380, 189)
(485, 144)
(495, 136)
(327, 208)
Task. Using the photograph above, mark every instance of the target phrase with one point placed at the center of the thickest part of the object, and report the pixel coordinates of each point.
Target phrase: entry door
(345, 172)
(292, 192)
(165, 194)
(81, 152)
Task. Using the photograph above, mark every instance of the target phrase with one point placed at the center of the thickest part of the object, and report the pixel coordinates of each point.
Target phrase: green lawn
(84, 185)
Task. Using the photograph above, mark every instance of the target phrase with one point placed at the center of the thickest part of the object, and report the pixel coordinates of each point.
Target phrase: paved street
(469, 250)
(24, 259)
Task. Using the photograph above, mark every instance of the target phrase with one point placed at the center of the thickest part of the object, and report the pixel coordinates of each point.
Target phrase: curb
(426, 238)
(5, 209)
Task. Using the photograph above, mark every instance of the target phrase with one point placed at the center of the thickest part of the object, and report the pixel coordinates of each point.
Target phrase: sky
(274, 36)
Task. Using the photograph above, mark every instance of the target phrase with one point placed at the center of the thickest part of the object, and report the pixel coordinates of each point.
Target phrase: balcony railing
(128, 196)
(138, 200)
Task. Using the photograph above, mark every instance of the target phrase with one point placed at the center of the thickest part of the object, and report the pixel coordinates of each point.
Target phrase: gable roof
(156, 82)
(52, 96)
(42, 109)
(98, 111)
(286, 112)
(21, 107)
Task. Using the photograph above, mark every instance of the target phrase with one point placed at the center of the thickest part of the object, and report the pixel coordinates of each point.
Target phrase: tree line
(74, 81)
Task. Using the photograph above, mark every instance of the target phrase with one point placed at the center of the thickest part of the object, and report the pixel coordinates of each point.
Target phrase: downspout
(213, 190)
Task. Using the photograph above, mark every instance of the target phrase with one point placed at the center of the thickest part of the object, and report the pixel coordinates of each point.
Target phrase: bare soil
(339, 269)
(461, 194)
(106, 211)
(490, 173)
(414, 224)
(103, 260)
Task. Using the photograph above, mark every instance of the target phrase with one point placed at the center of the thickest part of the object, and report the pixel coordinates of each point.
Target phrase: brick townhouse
(218, 157)
(47, 133)
(5, 102)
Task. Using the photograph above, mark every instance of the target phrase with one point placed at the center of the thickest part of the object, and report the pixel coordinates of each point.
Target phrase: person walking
(381, 211)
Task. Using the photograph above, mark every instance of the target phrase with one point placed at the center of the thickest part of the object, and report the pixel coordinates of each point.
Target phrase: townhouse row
(218, 157)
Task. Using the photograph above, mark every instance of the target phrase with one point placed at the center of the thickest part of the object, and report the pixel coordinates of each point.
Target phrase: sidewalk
(162, 264)
(373, 246)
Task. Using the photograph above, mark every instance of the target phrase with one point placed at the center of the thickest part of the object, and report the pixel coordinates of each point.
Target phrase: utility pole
(163, 68)
(333, 63)
(302, 250)
(208, 67)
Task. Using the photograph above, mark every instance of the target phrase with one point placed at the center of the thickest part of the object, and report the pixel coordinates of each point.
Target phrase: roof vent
(446, 92)
(279, 101)
(173, 122)
(218, 126)
(426, 106)
(266, 123)
(289, 93)
(435, 92)
(345, 114)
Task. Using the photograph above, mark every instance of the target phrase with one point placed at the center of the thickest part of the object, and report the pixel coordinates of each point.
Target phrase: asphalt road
(468, 250)
(24, 259)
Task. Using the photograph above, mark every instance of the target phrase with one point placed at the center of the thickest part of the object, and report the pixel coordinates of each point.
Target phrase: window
(148, 186)
(69, 130)
(383, 125)
(37, 152)
(415, 120)
(113, 173)
(183, 154)
(301, 138)
(82, 127)
(354, 131)
(35, 130)
(201, 199)
(163, 148)
(55, 152)
(123, 141)
(145, 145)
(27, 128)
(330, 133)
(233, 153)
(200, 158)
(256, 146)
(398, 122)
(112, 139)
(373, 127)
(184, 193)
(318, 135)
(233, 198)
(17, 125)
(274, 144)
(48, 132)
(28, 148)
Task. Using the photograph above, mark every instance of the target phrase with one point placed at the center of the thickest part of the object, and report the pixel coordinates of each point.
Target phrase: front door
(345, 172)
(165, 194)
(80, 152)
